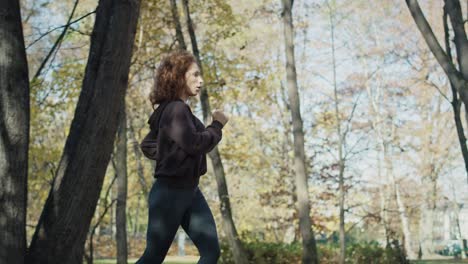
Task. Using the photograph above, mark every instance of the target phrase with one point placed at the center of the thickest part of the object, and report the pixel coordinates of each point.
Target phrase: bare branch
(66, 25)
(427, 33)
(57, 43)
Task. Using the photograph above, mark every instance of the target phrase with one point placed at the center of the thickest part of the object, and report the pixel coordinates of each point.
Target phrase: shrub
(265, 253)
(259, 252)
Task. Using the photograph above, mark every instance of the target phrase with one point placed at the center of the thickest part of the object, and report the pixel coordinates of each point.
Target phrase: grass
(169, 260)
(440, 261)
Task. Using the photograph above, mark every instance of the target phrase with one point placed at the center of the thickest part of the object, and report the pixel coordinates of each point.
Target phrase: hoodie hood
(153, 121)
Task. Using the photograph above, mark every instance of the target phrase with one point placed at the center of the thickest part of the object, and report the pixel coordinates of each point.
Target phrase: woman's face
(193, 80)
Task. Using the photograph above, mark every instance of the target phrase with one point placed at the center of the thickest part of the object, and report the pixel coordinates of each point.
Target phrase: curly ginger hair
(169, 81)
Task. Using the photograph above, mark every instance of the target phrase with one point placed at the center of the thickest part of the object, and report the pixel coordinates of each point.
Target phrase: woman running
(182, 144)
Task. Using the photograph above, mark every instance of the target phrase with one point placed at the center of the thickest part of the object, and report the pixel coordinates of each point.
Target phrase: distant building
(450, 221)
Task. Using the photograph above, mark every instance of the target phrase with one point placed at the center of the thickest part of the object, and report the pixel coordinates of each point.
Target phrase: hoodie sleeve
(181, 129)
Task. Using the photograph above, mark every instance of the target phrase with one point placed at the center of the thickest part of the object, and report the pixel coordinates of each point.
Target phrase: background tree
(305, 223)
(86, 155)
(121, 171)
(215, 157)
(458, 77)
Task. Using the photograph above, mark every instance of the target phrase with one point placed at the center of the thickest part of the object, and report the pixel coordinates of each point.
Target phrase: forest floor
(168, 260)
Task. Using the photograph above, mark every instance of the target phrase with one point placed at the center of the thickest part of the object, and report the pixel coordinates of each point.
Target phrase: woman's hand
(220, 116)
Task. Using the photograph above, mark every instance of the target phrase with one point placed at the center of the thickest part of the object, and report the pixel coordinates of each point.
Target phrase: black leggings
(168, 209)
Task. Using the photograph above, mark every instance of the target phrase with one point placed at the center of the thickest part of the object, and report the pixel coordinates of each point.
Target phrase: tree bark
(14, 134)
(305, 223)
(121, 170)
(64, 223)
(240, 256)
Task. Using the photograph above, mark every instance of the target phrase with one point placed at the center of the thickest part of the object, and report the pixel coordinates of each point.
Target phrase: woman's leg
(199, 224)
(166, 210)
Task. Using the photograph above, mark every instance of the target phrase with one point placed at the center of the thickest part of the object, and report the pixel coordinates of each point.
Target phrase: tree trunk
(341, 159)
(456, 103)
(137, 151)
(379, 127)
(286, 172)
(404, 224)
(407, 239)
(181, 243)
(342, 215)
(384, 215)
(111, 211)
(425, 230)
(14, 134)
(121, 166)
(459, 231)
(383, 199)
(305, 223)
(178, 27)
(240, 256)
(64, 223)
(96, 216)
(137, 214)
(458, 77)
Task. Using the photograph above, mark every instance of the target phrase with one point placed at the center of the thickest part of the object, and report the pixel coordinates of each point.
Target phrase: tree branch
(453, 9)
(52, 30)
(57, 43)
(428, 35)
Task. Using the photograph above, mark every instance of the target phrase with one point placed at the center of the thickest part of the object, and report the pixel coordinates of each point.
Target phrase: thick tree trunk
(14, 134)
(121, 167)
(305, 222)
(64, 223)
(240, 256)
